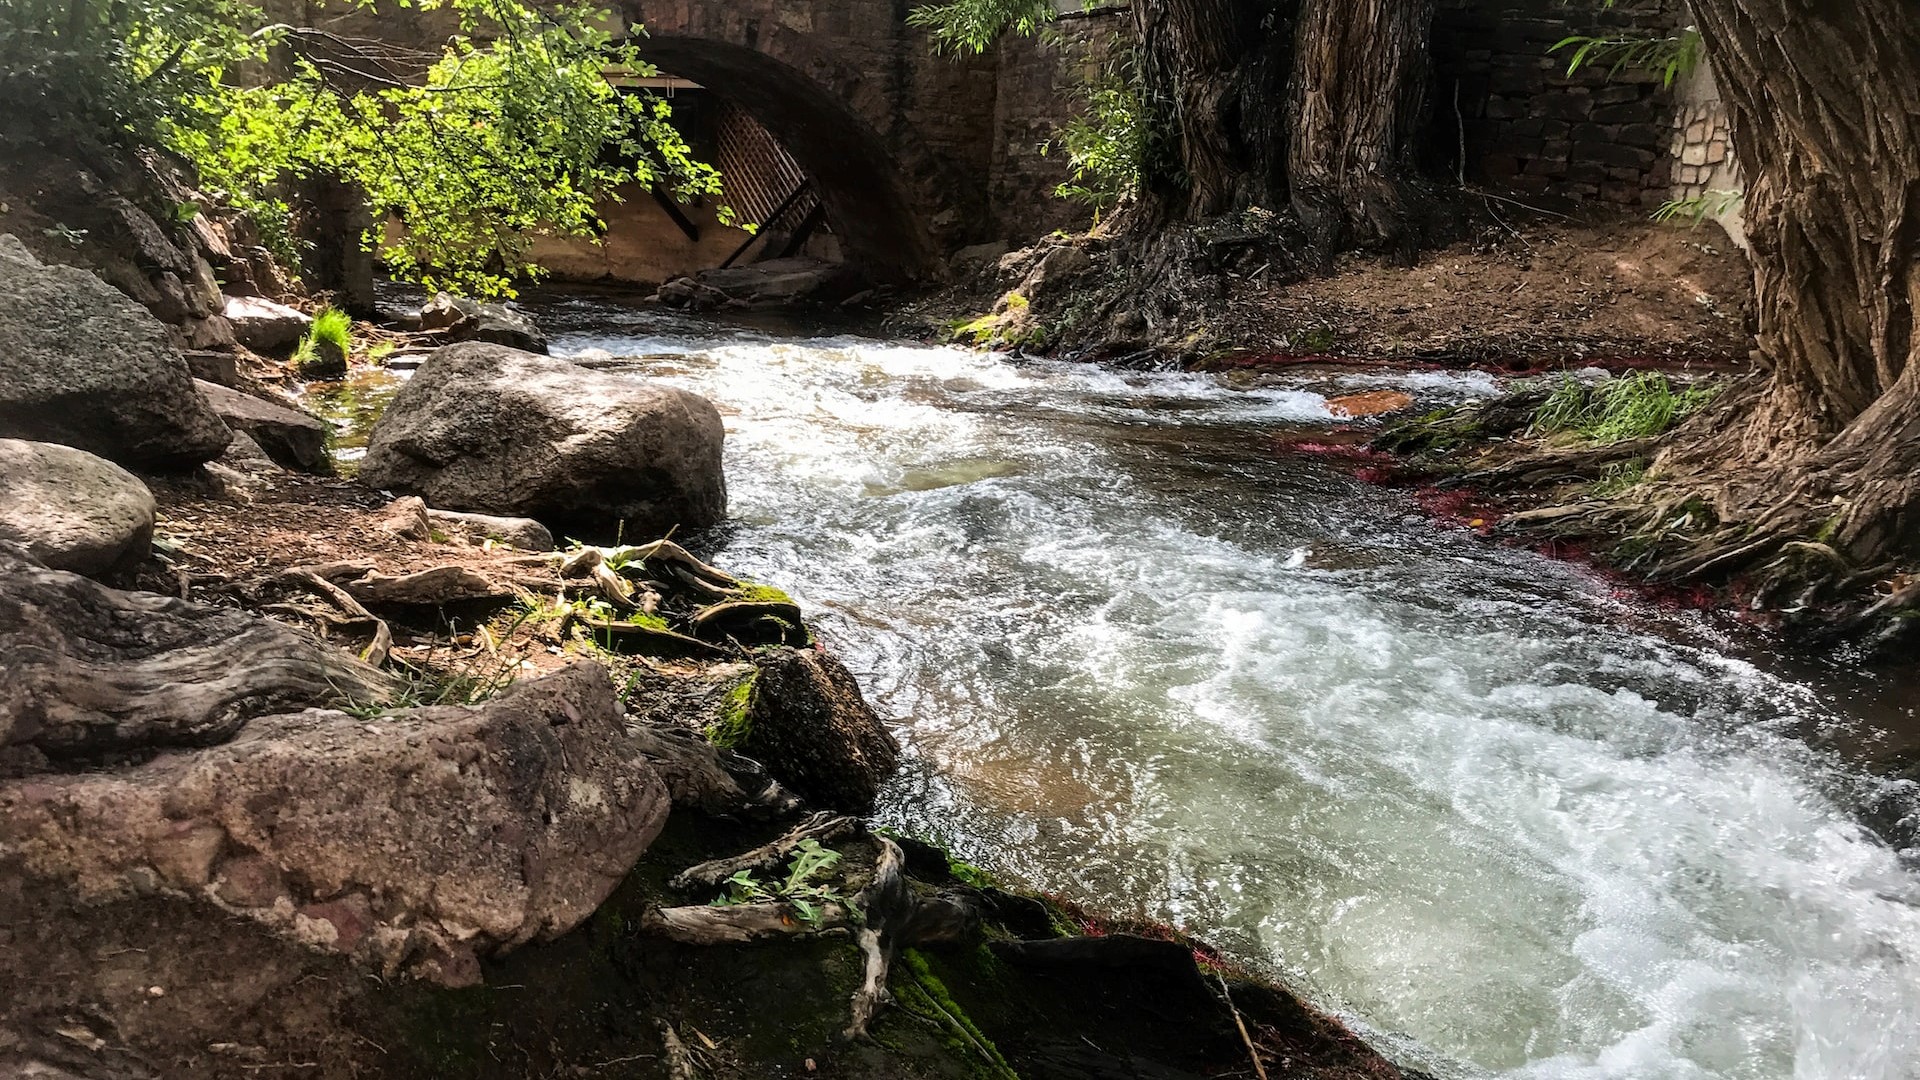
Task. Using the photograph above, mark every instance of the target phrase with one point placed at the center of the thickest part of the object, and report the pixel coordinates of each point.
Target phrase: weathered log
(737, 924)
(822, 826)
(91, 669)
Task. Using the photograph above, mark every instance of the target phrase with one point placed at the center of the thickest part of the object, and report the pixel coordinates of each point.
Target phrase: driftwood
(737, 924)
(91, 669)
(822, 826)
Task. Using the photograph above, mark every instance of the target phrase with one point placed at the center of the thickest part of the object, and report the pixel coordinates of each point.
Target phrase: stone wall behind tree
(1531, 127)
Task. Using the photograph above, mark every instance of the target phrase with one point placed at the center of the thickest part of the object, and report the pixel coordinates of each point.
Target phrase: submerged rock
(72, 510)
(81, 364)
(487, 429)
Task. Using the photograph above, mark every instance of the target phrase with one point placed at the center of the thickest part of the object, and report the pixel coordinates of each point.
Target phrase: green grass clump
(1620, 476)
(327, 344)
(1633, 407)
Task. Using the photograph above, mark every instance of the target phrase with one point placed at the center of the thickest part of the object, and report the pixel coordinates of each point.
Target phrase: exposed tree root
(711, 779)
(822, 826)
(375, 654)
(886, 916)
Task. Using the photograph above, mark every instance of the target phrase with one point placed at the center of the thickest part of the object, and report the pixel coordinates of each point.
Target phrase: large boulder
(263, 325)
(414, 843)
(293, 439)
(492, 430)
(81, 364)
(72, 510)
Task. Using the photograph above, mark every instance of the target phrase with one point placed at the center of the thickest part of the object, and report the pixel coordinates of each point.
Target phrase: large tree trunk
(1824, 102)
(1308, 102)
(1358, 96)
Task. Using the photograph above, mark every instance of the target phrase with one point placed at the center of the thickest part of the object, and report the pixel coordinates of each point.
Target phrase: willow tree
(1312, 105)
(1813, 476)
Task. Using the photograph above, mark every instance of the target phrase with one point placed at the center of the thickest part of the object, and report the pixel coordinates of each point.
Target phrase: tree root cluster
(887, 914)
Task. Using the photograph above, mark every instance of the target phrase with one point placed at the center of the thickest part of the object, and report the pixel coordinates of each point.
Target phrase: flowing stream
(1504, 818)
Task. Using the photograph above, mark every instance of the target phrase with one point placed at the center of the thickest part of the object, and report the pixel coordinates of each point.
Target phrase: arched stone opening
(859, 184)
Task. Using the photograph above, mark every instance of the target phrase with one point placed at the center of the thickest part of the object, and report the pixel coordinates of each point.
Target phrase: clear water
(1505, 819)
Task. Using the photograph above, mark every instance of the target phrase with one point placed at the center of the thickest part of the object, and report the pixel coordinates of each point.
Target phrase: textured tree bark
(1358, 97)
(89, 669)
(1215, 69)
(1825, 108)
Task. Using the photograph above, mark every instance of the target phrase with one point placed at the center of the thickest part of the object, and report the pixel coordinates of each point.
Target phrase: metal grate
(757, 174)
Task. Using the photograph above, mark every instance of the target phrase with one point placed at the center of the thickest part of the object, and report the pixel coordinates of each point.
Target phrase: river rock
(72, 510)
(487, 429)
(523, 533)
(293, 439)
(815, 732)
(417, 842)
(461, 319)
(81, 364)
(263, 325)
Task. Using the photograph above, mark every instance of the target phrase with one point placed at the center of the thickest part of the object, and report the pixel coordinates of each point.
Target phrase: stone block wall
(1704, 166)
(1035, 78)
(1526, 124)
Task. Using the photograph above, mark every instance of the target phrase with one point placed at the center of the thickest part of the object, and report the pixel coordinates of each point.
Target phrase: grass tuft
(1632, 407)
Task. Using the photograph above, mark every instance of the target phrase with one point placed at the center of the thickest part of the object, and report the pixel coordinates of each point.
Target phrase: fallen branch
(737, 611)
(822, 826)
(737, 924)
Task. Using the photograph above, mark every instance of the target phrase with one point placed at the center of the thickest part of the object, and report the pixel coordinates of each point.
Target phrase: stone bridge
(900, 143)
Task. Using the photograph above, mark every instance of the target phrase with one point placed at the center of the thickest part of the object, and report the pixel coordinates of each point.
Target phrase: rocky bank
(299, 778)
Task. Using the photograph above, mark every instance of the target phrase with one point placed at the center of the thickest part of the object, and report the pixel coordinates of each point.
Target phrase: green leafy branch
(800, 889)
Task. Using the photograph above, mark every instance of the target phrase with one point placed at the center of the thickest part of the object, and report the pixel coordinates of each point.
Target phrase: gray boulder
(461, 319)
(492, 430)
(293, 439)
(264, 326)
(81, 364)
(71, 510)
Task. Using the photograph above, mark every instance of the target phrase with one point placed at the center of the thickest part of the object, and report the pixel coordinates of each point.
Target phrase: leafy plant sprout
(801, 889)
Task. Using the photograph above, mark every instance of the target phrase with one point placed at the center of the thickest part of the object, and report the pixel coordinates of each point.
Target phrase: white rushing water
(1505, 819)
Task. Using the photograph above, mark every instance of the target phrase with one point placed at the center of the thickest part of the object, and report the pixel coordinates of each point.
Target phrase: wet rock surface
(483, 428)
(81, 364)
(72, 510)
(460, 319)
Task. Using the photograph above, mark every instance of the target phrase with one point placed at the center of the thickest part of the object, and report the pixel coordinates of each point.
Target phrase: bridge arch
(898, 141)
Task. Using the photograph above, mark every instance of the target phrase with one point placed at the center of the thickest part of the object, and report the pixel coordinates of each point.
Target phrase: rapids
(1503, 817)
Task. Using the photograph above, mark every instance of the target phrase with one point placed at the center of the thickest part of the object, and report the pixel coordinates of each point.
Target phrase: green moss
(735, 725)
(757, 593)
(968, 873)
(919, 991)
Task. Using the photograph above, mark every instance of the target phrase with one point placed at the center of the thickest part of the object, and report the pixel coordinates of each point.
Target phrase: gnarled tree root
(885, 917)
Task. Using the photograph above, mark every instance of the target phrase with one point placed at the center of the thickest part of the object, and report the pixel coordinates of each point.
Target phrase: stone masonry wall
(1703, 163)
(1528, 125)
(1036, 77)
